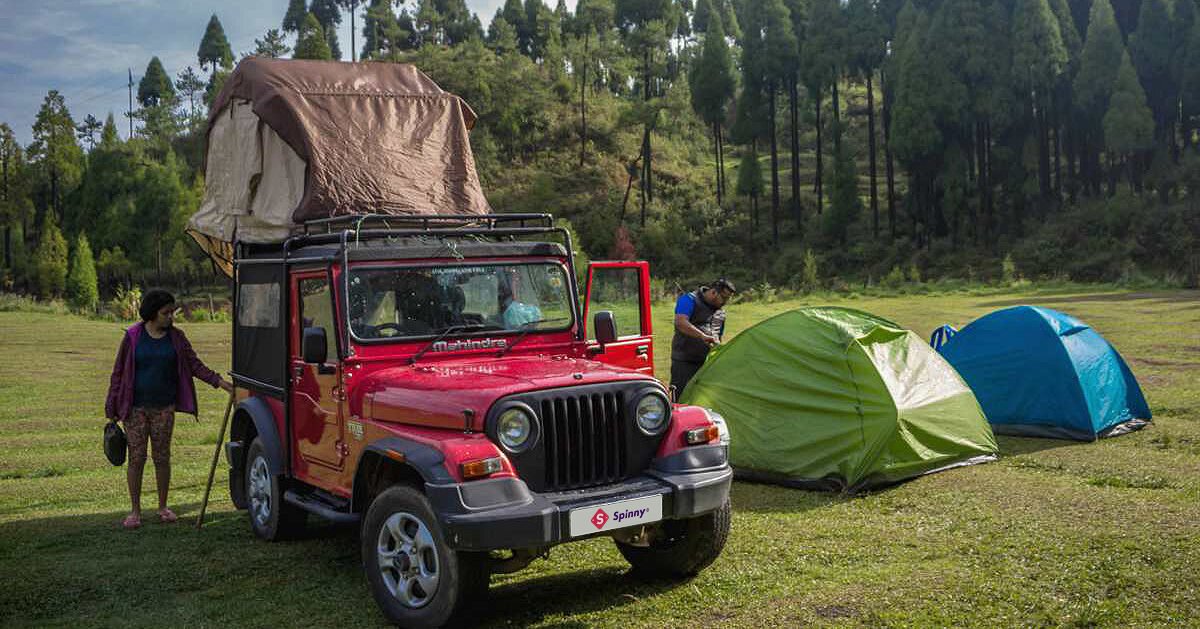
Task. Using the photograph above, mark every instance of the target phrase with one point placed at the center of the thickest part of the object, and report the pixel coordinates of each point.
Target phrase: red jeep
(433, 379)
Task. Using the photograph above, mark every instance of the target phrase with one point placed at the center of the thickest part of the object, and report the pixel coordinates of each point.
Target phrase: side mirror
(606, 327)
(314, 346)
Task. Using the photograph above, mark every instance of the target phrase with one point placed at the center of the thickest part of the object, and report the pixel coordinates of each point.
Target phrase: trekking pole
(216, 455)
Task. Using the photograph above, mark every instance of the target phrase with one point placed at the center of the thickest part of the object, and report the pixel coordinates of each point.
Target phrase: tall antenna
(129, 113)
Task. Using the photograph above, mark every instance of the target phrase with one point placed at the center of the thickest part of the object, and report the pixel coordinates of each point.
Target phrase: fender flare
(264, 424)
(424, 460)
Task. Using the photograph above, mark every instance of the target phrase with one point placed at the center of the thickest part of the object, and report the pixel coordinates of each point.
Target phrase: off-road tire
(461, 577)
(685, 548)
(276, 519)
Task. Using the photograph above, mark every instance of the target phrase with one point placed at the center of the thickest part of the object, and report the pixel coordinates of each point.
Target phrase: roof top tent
(291, 141)
(314, 162)
(1040, 373)
(838, 399)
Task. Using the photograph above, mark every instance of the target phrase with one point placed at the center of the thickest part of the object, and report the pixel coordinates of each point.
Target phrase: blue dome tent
(1041, 373)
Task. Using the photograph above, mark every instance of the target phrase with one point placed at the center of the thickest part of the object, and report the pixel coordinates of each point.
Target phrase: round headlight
(514, 428)
(651, 413)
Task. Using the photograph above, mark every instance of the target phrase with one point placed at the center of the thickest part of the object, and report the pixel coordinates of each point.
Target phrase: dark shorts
(681, 373)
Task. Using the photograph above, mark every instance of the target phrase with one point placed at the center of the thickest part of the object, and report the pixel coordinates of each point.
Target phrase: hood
(443, 394)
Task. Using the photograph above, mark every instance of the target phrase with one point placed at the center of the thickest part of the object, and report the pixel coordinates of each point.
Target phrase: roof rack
(426, 222)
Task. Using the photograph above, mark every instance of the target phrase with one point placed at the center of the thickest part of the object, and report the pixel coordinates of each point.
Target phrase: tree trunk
(837, 119)
(871, 153)
(1058, 184)
(889, 167)
(794, 97)
(717, 157)
(977, 212)
(583, 101)
(1043, 153)
(721, 160)
(986, 170)
(820, 164)
(353, 51)
(774, 166)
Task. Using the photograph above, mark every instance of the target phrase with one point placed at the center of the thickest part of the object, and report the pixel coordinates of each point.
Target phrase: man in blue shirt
(699, 324)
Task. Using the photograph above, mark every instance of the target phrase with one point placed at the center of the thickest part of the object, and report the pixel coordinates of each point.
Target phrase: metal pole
(216, 455)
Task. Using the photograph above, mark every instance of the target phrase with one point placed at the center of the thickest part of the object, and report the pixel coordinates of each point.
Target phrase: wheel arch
(254, 418)
(395, 460)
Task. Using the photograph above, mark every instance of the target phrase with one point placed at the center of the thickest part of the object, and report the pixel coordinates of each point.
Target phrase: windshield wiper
(444, 334)
(526, 328)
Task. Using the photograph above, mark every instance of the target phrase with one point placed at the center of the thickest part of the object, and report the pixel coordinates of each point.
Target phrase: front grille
(584, 440)
(588, 436)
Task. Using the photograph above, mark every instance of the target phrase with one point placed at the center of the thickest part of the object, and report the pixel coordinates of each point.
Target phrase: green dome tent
(835, 398)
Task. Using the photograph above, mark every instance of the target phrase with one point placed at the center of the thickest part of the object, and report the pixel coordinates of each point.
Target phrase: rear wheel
(683, 547)
(416, 579)
(270, 517)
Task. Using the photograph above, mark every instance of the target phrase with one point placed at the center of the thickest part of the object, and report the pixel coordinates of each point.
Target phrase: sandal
(166, 516)
(132, 521)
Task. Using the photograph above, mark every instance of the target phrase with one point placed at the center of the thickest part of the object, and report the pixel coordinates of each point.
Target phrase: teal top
(156, 373)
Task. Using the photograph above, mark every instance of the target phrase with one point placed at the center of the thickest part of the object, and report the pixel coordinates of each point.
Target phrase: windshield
(399, 302)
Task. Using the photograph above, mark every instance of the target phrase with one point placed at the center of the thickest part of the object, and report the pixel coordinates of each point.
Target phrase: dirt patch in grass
(1168, 297)
(1160, 362)
(1122, 482)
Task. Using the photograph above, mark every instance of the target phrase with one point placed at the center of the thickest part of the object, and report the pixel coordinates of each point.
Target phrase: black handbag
(115, 443)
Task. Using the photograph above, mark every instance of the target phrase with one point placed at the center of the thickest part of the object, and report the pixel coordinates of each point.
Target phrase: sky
(85, 48)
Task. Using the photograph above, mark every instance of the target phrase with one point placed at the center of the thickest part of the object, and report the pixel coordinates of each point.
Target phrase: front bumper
(502, 513)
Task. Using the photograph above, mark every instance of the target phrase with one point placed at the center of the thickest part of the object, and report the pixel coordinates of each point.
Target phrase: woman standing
(151, 379)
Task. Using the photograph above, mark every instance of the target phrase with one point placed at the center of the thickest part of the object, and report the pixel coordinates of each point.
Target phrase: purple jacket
(120, 388)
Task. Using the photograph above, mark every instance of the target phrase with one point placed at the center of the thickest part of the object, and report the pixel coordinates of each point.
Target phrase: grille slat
(584, 440)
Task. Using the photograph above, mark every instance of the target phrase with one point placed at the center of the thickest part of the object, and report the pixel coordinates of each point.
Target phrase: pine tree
(11, 165)
(781, 52)
(1151, 48)
(1093, 85)
(712, 85)
(311, 42)
(513, 13)
(869, 41)
(155, 88)
(55, 153)
(845, 205)
(1039, 60)
(214, 47)
(271, 45)
(86, 130)
(329, 14)
(189, 85)
(293, 20)
(1189, 79)
(749, 182)
(50, 260)
(591, 17)
(82, 291)
(1129, 123)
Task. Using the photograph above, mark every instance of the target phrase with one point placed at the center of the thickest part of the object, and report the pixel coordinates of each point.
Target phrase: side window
(316, 310)
(618, 290)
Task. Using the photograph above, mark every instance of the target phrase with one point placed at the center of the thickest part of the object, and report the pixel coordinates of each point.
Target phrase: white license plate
(615, 515)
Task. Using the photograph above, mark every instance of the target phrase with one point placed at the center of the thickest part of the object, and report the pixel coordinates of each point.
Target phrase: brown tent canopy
(294, 140)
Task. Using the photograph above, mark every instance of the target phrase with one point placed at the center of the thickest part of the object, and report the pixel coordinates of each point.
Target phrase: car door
(316, 409)
(624, 289)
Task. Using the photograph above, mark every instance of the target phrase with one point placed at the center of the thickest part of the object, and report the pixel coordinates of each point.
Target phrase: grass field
(1053, 534)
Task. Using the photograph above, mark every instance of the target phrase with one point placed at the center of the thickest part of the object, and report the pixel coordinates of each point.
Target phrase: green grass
(1053, 534)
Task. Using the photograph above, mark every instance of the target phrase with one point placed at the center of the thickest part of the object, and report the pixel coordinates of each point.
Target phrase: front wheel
(416, 579)
(683, 547)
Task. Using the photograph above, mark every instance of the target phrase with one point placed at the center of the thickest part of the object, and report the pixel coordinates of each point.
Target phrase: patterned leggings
(155, 423)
